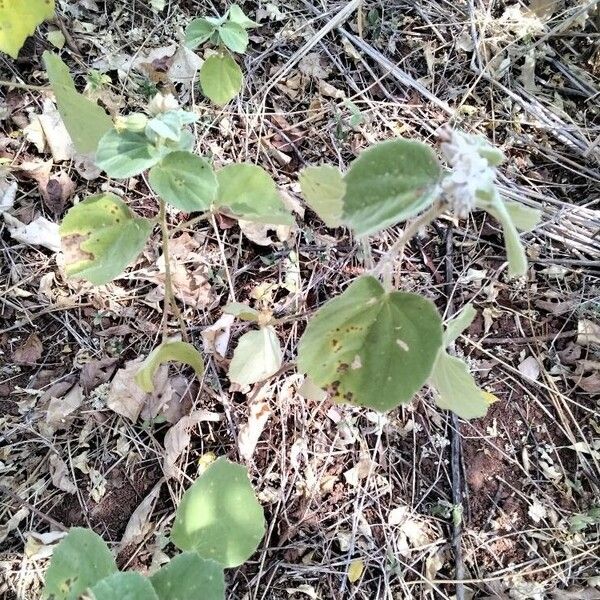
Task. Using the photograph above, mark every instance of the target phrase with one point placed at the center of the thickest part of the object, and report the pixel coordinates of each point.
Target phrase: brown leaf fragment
(29, 352)
(60, 475)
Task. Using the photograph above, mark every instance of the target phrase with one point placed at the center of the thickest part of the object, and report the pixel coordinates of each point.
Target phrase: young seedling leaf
(234, 36)
(249, 193)
(169, 124)
(173, 351)
(80, 560)
(198, 32)
(324, 189)
(523, 217)
(389, 183)
(85, 121)
(458, 324)
(219, 517)
(125, 154)
(18, 20)
(184, 180)
(242, 311)
(189, 577)
(236, 14)
(221, 78)
(370, 347)
(124, 586)
(101, 236)
(456, 388)
(257, 356)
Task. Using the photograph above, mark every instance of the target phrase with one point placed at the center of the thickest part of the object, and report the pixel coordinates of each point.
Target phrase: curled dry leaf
(29, 352)
(59, 409)
(177, 439)
(40, 232)
(171, 397)
(250, 432)
(139, 523)
(60, 475)
(216, 337)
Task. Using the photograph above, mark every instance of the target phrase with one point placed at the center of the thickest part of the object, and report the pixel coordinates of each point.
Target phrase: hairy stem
(170, 303)
(384, 267)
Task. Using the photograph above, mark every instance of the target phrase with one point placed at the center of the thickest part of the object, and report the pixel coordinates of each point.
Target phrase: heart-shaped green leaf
(189, 577)
(184, 180)
(219, 517)
(389, 183)
(126, 154)
(324, 189)
(221, 78)
(257, 356)
(234, 36)
(85, 121)
(124, 586)
(173, 351)
(18, 20)
(371, 347)
(80, 560)
(198, 32)
(249, 193)
(101, 236)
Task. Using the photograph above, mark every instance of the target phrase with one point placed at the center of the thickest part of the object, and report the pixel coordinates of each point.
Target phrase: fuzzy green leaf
(249, 193)
(324, 189)
(189, 577)
(198, 32)
(80, 560)
(101, 236)
(85, 121)
(237, 15)
(372, 348)
(221, 78)
(18, 20)
(184, 180)
(173, 351)
(124, 586)
(456, 388)
(169, 124)
(219, 517)
(458, 324)
(126, 154)
(257, 356)
(523, 217)
(234, 37)
(389, 183)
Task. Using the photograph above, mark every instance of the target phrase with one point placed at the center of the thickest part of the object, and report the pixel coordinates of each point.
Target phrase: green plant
(373, 345)
(219, 524)
(221, 78)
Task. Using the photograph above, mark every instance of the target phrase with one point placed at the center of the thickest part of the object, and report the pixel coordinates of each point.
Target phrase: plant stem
(170, 303)
(24, 86)
(384, 267)
(187, 224)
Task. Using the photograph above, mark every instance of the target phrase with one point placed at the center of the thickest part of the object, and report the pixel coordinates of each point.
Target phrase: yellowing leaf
(355, 570)
(101, 236)
(18, 20)
(168, 352)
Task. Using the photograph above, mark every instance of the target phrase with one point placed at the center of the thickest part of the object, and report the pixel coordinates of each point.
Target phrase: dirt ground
(338, 483)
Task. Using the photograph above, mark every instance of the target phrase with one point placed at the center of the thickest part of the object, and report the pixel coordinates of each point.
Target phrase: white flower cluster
(473, 161)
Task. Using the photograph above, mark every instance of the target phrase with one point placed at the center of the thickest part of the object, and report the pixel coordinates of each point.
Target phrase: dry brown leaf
(61, 408)
(139, 524)
(57, 191)
(250, 432)
(40, 232)
(60, 475)
(58, 140)
(29, 352)
(177, 439)
(312, 66)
